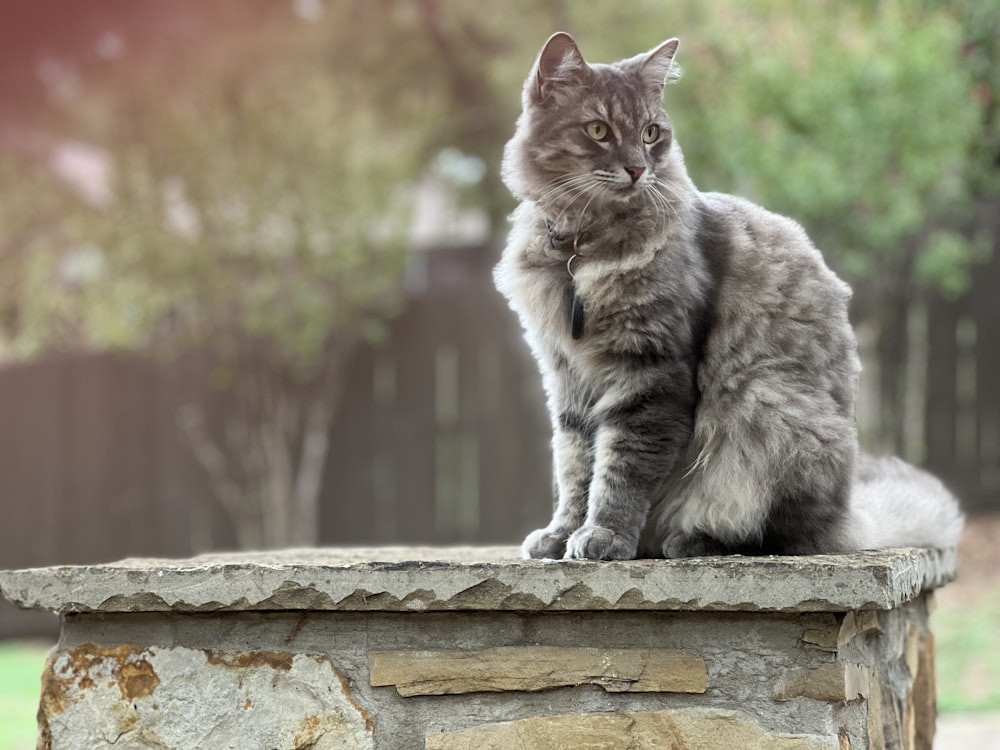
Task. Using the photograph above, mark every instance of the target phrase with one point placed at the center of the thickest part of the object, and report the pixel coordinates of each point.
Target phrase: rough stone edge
(483, 579)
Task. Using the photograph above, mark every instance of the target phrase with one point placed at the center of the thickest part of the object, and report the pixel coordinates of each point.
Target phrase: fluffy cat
(695, 350)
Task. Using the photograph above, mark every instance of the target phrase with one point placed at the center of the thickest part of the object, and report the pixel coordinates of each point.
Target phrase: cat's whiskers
(587, 186)
(658, 203)
(565, 192)
(567, 181)
(672, 192)
(681, 198)
(673, 198)
(571, 186)
(661, 206)
(598, 190)
(585, 190)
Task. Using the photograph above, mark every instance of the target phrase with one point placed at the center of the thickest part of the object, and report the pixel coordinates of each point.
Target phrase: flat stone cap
(407, 579)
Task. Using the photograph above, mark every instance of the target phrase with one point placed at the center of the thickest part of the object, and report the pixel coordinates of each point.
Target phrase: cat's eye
(651, 134)
(597, 130)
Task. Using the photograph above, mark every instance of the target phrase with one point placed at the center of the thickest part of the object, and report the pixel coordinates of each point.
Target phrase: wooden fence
(442, 437)
(962, 399)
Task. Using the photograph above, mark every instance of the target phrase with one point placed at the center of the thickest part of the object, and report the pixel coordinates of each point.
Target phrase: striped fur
(709, 405)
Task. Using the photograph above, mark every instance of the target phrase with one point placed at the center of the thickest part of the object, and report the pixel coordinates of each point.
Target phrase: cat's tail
(894, 504)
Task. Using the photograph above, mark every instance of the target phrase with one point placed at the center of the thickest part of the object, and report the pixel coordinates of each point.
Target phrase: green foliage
(968, 661)
(980, 21)
(21, 665)
(946, 259)
(855, 119)
(250, 203)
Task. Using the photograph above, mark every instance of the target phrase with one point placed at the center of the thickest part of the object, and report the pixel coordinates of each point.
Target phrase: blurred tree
(253, 215)
(980, 21)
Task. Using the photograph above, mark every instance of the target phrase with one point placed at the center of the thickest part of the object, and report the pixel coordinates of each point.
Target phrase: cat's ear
(559, 63)
(659, 67)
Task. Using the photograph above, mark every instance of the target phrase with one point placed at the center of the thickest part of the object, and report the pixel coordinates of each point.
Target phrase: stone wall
(447, 649)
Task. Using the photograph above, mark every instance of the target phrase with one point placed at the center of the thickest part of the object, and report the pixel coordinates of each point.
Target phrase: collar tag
(576, 316)
(560, 241)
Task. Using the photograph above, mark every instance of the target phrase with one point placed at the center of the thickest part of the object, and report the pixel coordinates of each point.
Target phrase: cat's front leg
(617, 505)
(573, 464)
(635, 451)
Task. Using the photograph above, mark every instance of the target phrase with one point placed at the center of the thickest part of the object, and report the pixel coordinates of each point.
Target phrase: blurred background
(245, 254)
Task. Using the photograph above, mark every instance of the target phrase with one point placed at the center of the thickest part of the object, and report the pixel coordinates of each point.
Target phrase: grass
(20, 685)
(968, 660)
(968, 670)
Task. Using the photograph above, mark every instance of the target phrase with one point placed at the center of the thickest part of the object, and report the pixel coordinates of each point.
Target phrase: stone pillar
(473, 648)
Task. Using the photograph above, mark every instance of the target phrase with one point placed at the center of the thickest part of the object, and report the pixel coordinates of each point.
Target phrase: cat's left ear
(659, 67)
(559, 64)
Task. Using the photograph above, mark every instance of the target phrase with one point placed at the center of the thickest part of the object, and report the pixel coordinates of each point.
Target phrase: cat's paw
(547, 542)
(681, 545)
(599, 543)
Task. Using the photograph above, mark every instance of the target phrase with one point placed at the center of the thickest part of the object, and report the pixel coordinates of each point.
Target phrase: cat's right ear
(559, 63)
(659, 67)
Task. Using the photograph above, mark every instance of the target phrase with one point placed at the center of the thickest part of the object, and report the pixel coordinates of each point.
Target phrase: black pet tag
(576, 316)
(576, 304)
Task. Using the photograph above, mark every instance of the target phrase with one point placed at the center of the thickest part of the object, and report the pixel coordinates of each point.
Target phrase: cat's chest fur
(631, 307)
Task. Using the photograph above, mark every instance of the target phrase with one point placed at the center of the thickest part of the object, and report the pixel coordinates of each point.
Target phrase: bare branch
(192, 423)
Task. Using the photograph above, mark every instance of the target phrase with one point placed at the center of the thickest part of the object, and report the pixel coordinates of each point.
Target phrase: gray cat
(695, 349)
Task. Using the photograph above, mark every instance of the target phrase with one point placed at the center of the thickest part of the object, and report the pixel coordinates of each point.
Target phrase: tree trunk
(309, 480)
(266, 464)
(894, 351)
(276, 430)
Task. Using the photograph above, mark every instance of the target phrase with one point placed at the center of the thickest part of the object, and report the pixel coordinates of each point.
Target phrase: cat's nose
(635, 172)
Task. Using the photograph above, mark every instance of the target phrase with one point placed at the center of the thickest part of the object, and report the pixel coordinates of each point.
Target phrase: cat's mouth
(626, 192)
(632, 187)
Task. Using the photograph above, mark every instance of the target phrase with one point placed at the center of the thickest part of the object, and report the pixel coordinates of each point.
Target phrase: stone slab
(834, 682)
(690, 729)
(480, 579)
(533, 668)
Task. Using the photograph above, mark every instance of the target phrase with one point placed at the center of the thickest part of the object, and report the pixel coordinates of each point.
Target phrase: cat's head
(590, 135)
